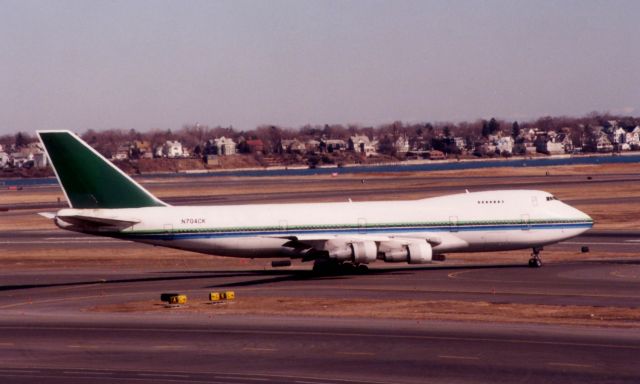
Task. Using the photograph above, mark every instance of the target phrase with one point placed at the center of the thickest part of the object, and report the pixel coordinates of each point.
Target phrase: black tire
(535, 263)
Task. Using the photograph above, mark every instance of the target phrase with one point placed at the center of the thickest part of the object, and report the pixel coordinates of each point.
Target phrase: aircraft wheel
(362, 268)
(535, 263)
(347, 268)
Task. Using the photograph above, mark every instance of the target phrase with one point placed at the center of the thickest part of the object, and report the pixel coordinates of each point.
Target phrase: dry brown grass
(400, 309)
(175, 186)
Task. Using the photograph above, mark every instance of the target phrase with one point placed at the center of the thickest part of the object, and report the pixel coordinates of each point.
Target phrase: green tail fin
(88, 179)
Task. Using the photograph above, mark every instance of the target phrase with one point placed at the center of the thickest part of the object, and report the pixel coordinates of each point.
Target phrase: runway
(65, 320)
(272, 350)
(52, 335)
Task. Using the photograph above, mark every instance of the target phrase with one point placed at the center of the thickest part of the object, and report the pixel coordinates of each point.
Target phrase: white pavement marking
(589, 243)
(239, 378)
(572, 365)
(458, 357)
(260, 349)
(86, 373)
(162, 375)
(356, 353)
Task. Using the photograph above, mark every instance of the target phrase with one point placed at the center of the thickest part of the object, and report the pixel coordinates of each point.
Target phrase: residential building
(225, 146)
(40, 160)
(122, 153)
(333, 145)
(141, 149)
(292, 146)
(173, 149)
(603, 144)
(401, 145)
(312, 145)
(633, 138)
(504, 144)
(618, 136)
(255, 146)
(460, 143)
(361, 144)
(22, 159)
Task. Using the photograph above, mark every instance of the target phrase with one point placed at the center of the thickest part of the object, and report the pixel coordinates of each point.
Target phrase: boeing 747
(105, 201)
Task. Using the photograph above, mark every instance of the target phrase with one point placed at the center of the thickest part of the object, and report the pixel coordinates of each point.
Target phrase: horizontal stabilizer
(97, 222)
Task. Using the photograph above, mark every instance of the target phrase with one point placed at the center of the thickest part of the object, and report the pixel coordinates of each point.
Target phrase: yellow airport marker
(178, 299)
(217, 297)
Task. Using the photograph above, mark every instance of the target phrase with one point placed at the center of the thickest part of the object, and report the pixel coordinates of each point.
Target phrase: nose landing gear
(535, 261)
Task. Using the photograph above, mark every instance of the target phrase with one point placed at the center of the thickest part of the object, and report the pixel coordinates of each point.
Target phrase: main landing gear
(334, 267)
(535, 261)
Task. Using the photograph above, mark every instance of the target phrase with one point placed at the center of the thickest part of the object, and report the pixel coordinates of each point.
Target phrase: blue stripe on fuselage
(357, 231)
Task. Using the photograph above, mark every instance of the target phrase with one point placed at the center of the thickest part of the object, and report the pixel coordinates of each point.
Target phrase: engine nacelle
(343, 252)
(420, 252)
(359, 252)
(393, 252)
(364, 252)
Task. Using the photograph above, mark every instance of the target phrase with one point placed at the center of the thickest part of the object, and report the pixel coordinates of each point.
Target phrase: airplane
(337, 236)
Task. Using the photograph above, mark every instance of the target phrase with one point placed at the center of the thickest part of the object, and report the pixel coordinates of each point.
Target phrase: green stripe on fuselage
(88, 179)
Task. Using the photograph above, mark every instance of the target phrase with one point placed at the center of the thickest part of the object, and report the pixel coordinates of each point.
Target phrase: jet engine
(359, 252)
(364, 252)
(415, 252)
(420, 252)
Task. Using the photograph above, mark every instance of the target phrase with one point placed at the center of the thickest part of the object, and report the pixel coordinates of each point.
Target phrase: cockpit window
(550, 198)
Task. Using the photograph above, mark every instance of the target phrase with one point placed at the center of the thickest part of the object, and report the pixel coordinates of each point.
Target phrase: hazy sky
(160, 64)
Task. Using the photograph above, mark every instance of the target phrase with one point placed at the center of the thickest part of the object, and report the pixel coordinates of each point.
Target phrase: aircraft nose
(583, 217)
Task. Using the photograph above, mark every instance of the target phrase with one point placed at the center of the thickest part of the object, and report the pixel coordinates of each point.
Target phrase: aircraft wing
(315, 238)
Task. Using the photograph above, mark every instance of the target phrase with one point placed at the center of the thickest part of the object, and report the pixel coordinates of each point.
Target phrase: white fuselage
(467, 222)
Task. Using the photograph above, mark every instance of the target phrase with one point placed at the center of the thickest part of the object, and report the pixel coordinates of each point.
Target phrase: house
(291, 146)
(401, 145)
(633, 138)
(504, 144)
(224, 146)
(460, 143)
(331, 145)
(4, 159)
(361, 144)
(40, 160)
(618, 136)
(603, 144)
(122, 152)
(30, 156)
(312, 145)
(566, 141)
(22, 159)
(548, 143)
(484, 147)
(255, 146)
(173, 149)
(554, 148)
(141, 149)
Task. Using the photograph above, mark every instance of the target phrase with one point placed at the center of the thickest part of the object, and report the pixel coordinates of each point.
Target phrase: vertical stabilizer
(88, 179)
